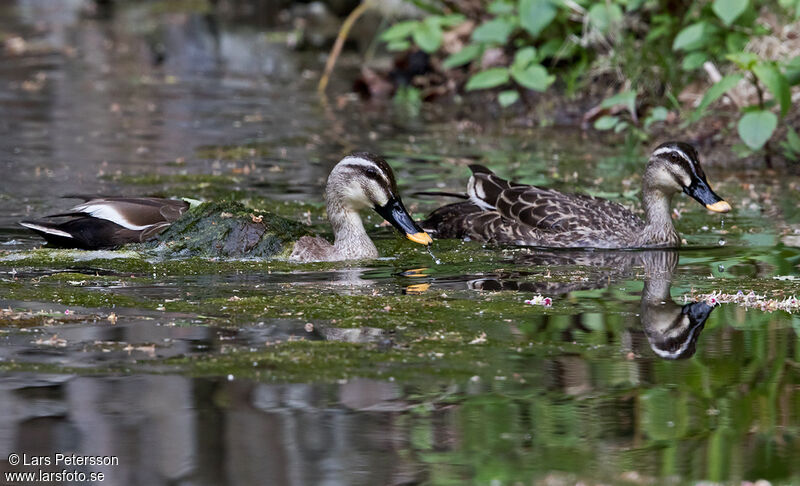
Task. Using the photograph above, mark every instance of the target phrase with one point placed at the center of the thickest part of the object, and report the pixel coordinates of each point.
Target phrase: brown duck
(507, 212)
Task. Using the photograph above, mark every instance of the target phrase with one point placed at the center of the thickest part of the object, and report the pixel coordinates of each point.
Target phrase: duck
(499, 211)
(358, 181)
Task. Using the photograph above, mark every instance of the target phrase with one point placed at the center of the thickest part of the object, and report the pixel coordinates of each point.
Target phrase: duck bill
(395, 213)
(702, 193)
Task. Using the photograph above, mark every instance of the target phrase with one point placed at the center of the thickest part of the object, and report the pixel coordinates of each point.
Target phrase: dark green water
(394, 371)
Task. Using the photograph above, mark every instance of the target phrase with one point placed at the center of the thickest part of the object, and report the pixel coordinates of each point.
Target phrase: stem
(767, 146)
(337, 46)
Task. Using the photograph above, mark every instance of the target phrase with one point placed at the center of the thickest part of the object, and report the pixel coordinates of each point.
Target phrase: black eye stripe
(381, 166)
(687, 163)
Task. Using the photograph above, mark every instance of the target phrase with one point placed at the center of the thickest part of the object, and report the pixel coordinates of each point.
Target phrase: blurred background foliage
(650, 60)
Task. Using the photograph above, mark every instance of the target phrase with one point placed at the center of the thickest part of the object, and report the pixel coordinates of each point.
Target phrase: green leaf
(500, 7)
(525, 56)
(494, 31)
(603, 15)
(606, 122)
(428, 36)
(692, 37)
(693, 61)
(743, 60)
(620, 126)
(624, 98)
(398, 45)
(533, 77)
(769, 74)
(793, 71)
(793, 140)
(657, 114)
(507, 98)
(756, 127)
(466, 55)
(399, 31)
(736, 41)
(490, 78)
(714, 92)
(535, 15)
(448, 20)
(729, 10)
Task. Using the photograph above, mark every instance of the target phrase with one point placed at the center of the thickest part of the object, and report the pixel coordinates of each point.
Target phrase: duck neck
(350, 238)
(658, 230)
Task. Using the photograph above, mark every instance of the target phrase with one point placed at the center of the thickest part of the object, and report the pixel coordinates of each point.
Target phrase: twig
(337, 46)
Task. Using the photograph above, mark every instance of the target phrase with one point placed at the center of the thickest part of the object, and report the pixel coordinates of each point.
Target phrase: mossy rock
(229, 229)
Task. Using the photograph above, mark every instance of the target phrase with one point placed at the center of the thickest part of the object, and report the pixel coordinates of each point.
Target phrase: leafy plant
(654, 46)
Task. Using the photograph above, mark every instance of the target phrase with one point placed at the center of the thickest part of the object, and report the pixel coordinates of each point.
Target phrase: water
(411, 369)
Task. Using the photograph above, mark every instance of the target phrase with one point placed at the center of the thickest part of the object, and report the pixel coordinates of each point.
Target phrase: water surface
(394, 371)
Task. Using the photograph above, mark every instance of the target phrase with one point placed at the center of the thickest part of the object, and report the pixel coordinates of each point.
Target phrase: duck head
(674, 167)
(363, 180)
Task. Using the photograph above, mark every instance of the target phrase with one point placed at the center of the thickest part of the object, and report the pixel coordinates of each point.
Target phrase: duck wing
(109, 222)
(537, 210)
(133, 213)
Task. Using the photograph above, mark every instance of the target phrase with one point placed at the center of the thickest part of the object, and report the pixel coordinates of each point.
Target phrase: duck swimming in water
(499, 211)
(358, 181)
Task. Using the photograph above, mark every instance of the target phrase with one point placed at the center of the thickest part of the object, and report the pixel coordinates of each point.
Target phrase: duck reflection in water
(671, 329)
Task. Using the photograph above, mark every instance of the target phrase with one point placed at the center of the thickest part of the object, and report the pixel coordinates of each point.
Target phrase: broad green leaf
(743, 60)
(691, 37)
(525, 56)
(398, 45)
(714, 92)
(606, 122)
(508, 97)
(756, 127)
(399, 31)
(736, 41)
(729, 10)
(533, 77)
(501, 7)
(624, 98)
(657, 114)
(793, 140)
(694, 61)
(620, 126)
(494, 31)
(490, 78)
(769, 74)
(428, 36)
(535, 15)
(793, 71)
(602, 15)
(466, 55)
(448, 20)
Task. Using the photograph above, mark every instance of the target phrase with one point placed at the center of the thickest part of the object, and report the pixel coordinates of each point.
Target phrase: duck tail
(440, 194)
(54, 233)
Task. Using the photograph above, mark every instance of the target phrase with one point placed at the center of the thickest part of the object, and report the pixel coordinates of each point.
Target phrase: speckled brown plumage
(500, 211)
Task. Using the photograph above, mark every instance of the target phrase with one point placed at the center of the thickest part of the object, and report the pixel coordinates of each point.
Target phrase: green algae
(229, 229)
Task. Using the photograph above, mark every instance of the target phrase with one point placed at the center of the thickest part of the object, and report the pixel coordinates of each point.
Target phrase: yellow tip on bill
(422, 238)
(719, 207)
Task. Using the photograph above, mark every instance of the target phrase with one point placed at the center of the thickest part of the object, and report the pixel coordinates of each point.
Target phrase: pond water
(393, 371)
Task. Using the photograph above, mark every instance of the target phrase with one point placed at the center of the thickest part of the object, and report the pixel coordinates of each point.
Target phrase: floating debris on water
(480, 339)
(750, 300)
(540, 300)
